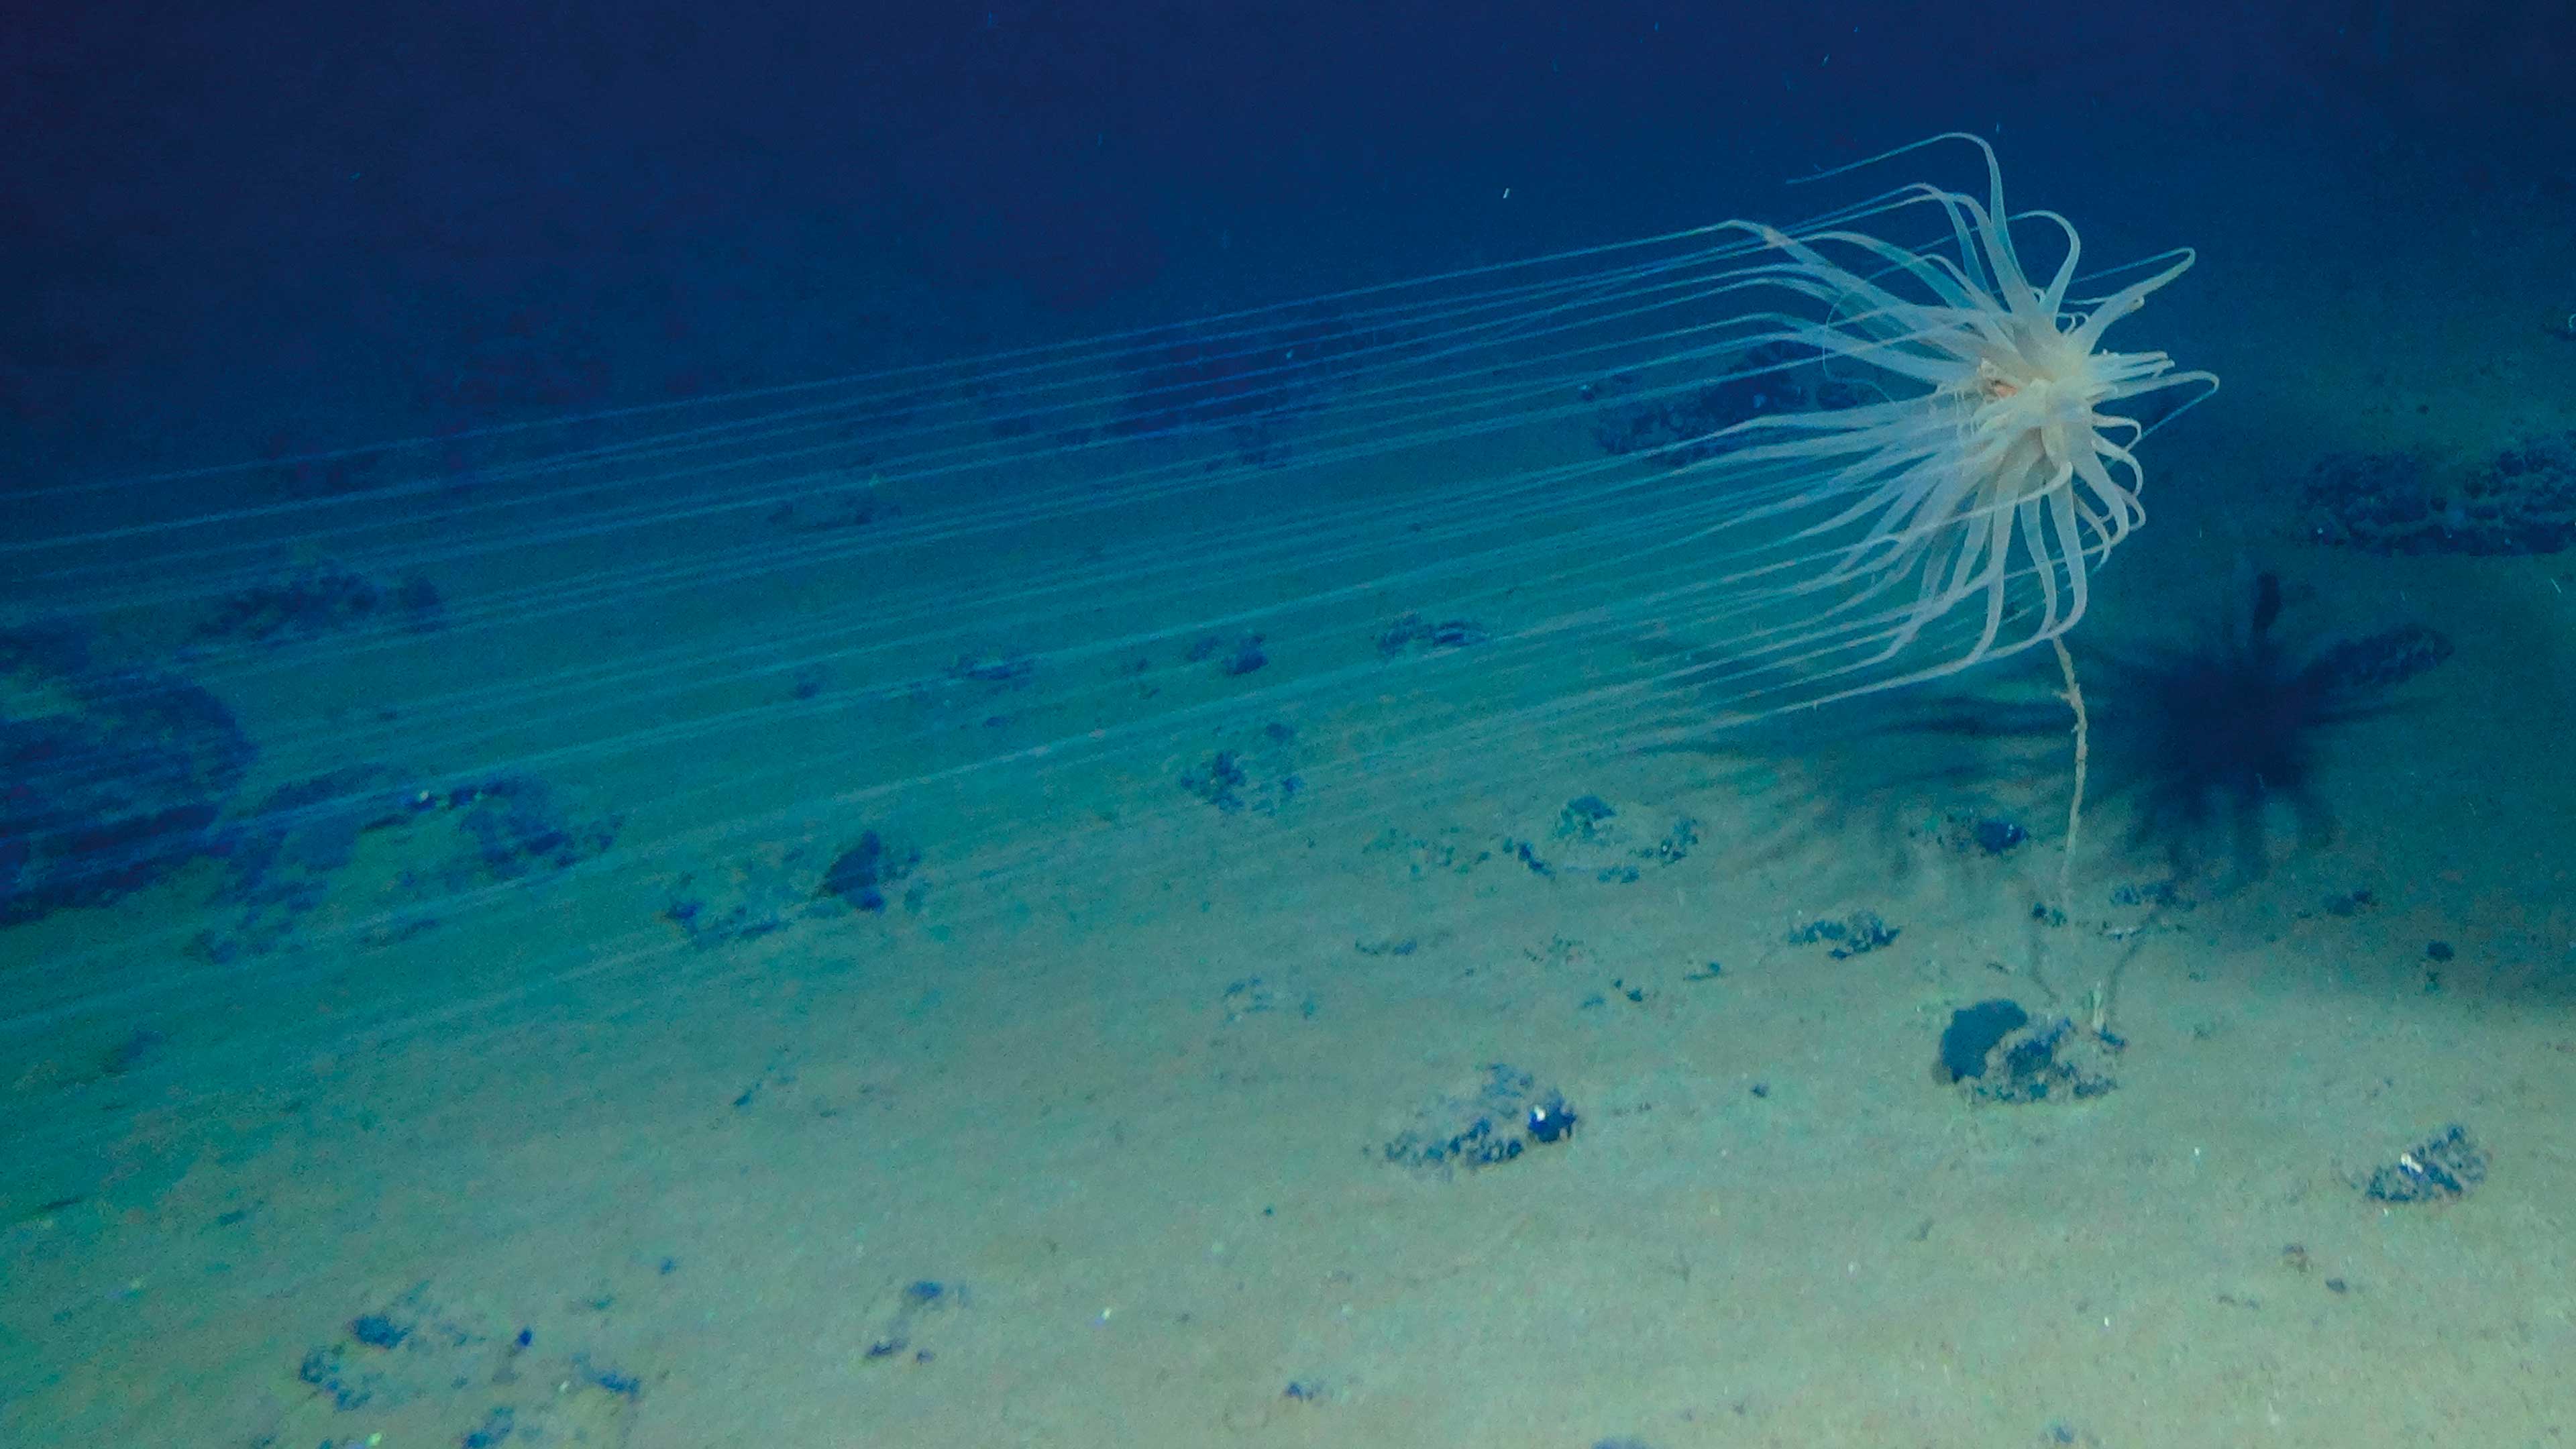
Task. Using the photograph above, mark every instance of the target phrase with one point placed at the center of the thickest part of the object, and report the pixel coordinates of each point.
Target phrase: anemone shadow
(2206, 738)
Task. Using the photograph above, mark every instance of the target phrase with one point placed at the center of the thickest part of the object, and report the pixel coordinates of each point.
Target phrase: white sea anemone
(1987, 472)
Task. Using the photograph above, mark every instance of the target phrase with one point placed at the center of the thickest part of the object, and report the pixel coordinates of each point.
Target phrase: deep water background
(274, 227)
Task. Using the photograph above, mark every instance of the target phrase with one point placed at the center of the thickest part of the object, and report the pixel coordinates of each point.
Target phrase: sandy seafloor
(1119, 1081)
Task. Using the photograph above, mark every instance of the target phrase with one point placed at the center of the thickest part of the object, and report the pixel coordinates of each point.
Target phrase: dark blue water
(434, 218)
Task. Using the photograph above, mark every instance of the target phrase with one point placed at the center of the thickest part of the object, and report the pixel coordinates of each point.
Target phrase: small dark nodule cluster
(2443, 1166)
(860, 874)
(1505, 1116)
(1995, 1051)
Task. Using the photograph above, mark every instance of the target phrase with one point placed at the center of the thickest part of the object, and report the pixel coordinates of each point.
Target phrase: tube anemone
(1987, 477)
